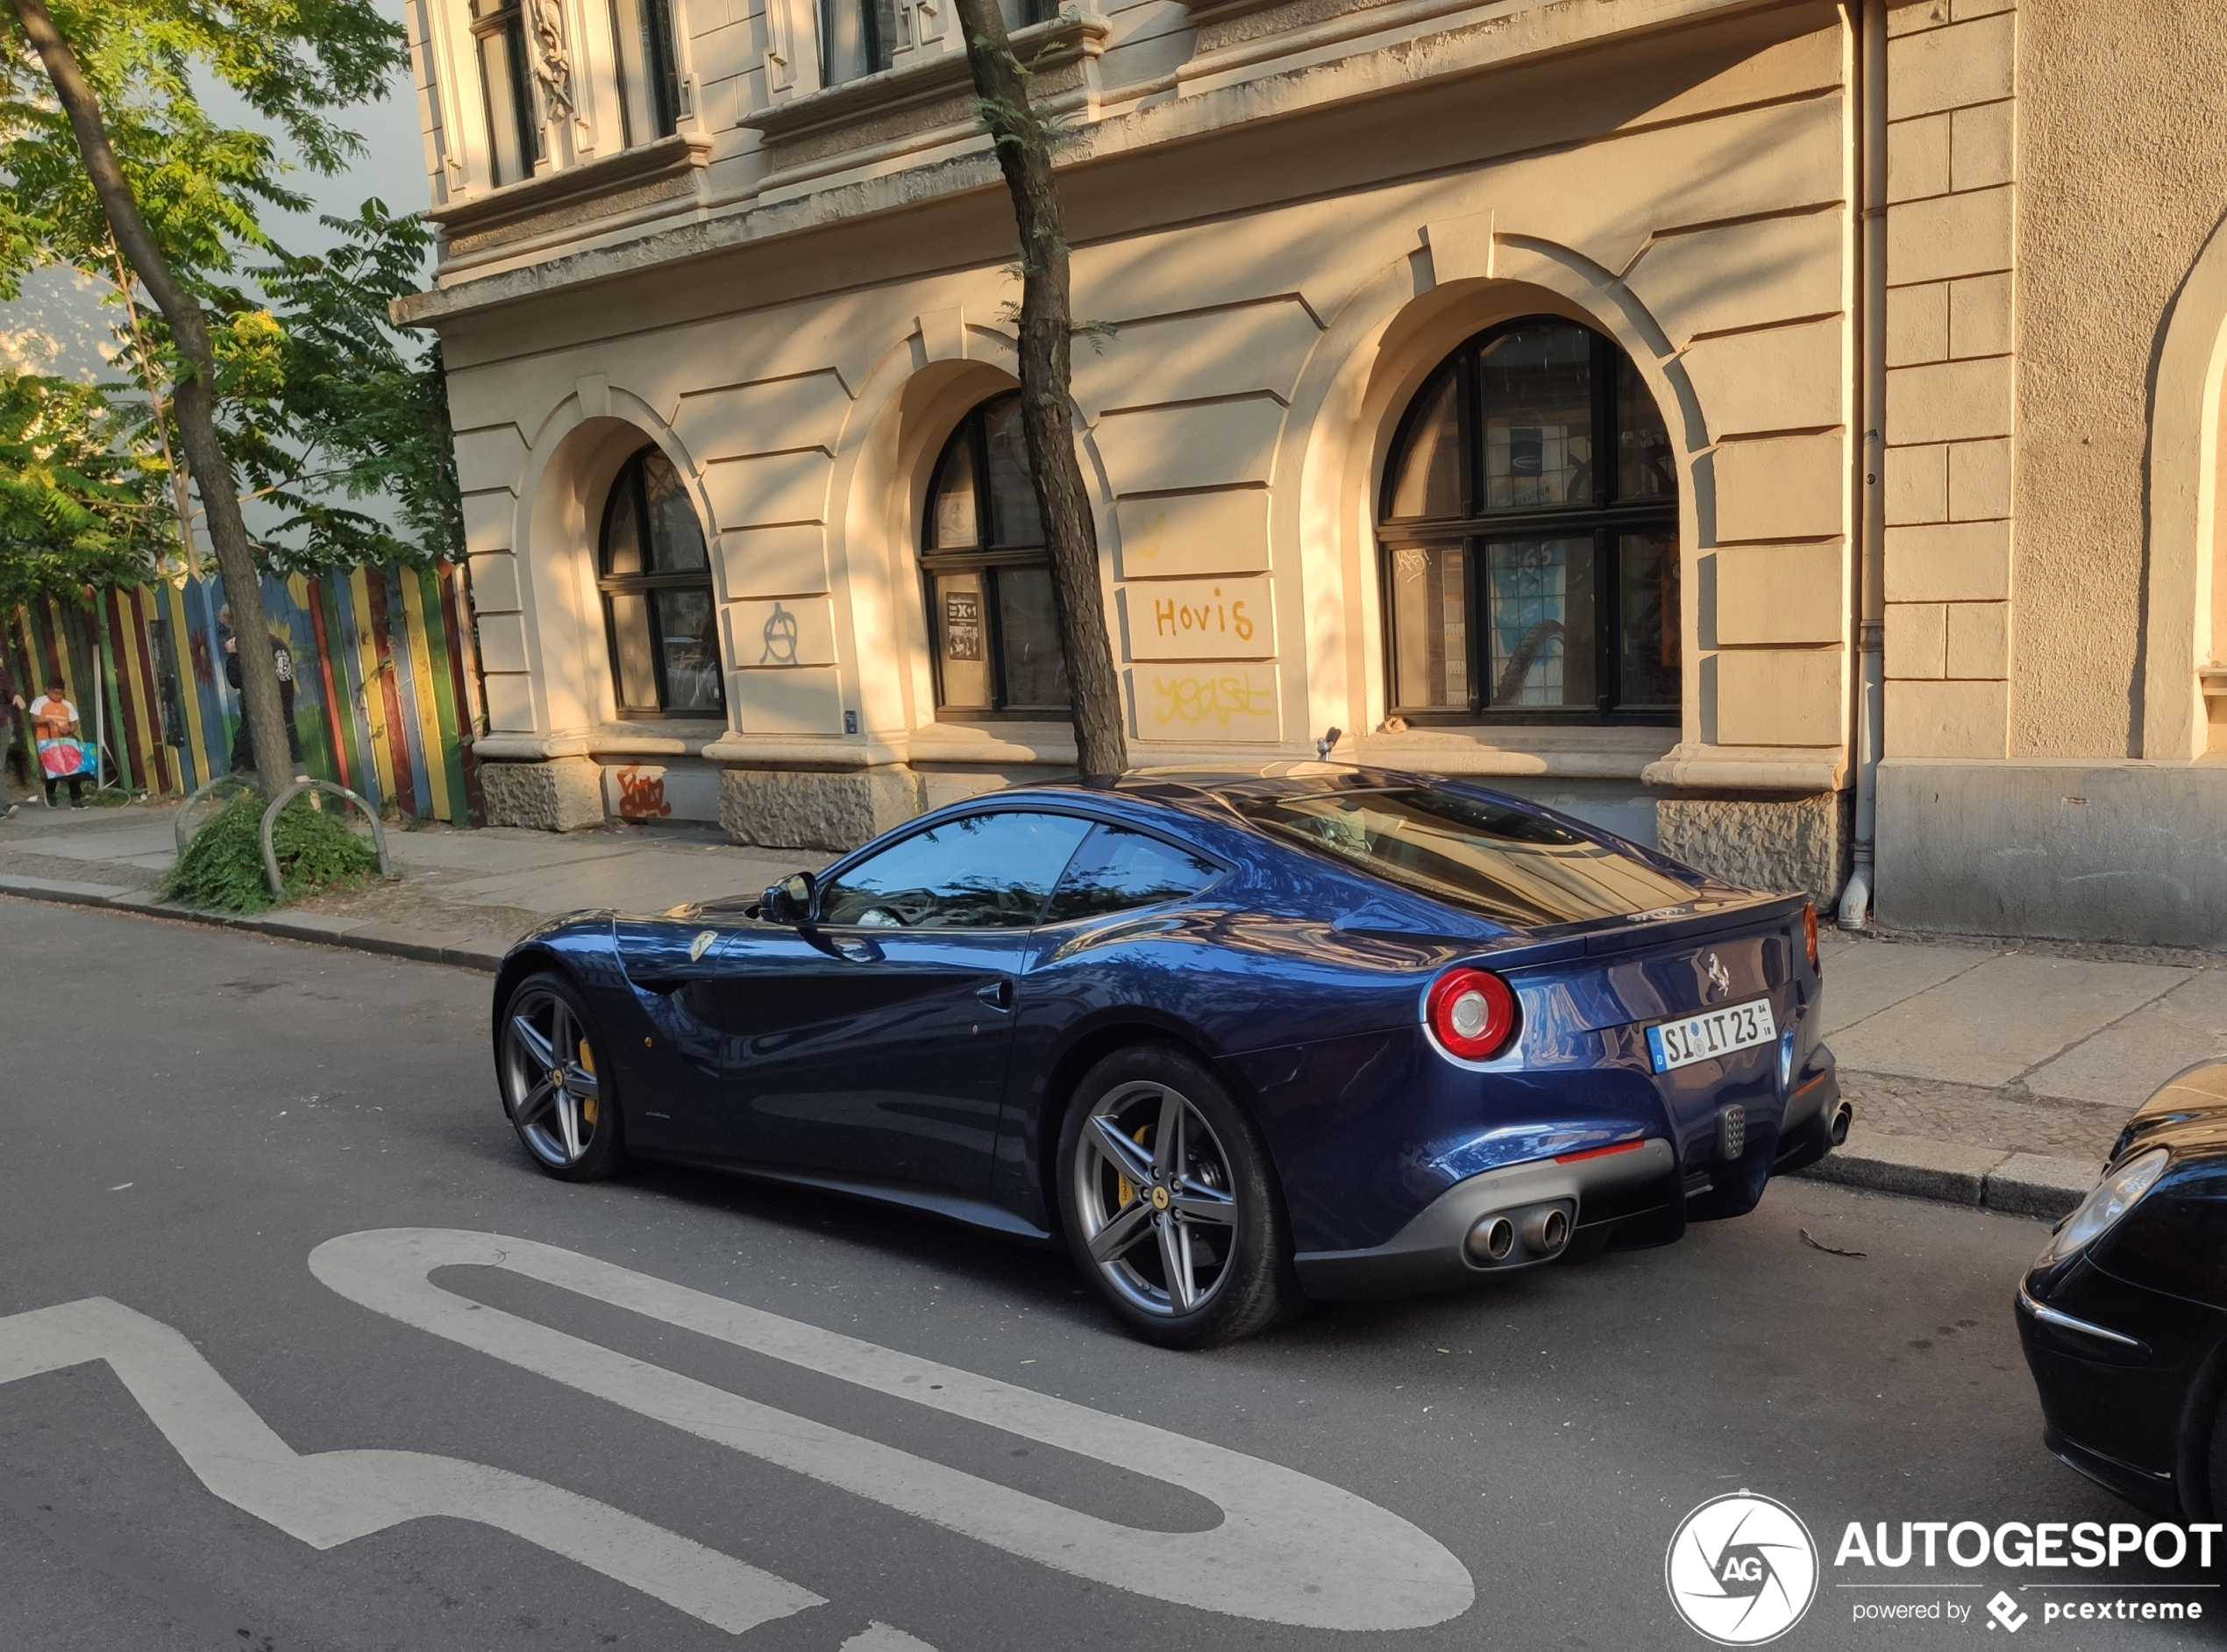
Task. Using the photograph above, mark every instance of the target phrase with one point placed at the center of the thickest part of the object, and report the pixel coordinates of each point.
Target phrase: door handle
(998, 994)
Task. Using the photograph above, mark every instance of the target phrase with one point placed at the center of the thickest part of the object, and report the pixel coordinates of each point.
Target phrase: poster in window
(962, 625)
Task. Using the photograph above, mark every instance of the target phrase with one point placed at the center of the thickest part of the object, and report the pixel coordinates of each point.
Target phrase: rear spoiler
(1638, 934)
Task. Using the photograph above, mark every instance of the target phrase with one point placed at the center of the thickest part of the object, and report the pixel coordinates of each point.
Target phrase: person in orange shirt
(52, 718)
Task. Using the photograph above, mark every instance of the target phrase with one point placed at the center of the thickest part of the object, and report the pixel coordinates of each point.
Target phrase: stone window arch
(986, 574)
(1528, 537)
(659, 615)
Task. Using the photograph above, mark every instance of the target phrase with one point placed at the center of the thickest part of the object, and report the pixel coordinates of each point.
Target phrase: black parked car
(2124, 1315)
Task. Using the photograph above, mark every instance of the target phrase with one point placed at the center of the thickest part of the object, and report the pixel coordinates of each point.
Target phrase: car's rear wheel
(1171, 1202)
(555, 1083)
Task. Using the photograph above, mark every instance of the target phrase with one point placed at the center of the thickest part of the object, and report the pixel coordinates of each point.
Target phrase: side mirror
(790, 901)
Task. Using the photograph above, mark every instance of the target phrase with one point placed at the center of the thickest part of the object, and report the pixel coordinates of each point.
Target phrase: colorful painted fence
(385, 688)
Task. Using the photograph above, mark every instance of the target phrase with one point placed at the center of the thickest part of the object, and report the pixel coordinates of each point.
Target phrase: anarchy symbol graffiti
(780, 638)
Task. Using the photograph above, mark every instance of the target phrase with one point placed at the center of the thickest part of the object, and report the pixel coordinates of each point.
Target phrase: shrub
(222, 867)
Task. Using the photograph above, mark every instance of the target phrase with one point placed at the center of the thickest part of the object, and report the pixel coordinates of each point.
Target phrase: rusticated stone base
(778, 809)
(1777, 843)
(564, 795)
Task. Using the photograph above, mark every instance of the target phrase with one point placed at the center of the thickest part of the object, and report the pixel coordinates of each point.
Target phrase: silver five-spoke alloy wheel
(1153, 1190)
(549, 1078)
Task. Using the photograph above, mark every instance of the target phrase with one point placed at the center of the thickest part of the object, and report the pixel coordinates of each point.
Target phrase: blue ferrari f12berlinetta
(1237, 1039)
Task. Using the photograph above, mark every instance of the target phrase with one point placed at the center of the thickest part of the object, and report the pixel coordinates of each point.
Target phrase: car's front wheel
(555, 1085)
(1170, 1203)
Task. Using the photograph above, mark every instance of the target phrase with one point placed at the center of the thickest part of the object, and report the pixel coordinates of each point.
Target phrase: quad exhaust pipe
(1511, 1238)
(1546, 1231)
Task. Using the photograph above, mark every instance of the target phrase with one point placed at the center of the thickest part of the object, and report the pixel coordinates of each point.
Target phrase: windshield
(1513, 867)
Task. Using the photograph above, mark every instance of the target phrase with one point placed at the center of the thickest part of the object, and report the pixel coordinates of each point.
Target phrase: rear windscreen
(1513, 867)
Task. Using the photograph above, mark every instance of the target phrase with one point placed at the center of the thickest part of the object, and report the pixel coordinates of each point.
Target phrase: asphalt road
(188, 1114)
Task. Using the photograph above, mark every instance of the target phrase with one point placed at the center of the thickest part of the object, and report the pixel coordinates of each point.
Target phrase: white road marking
(331, 1497)
(879, 1637)
(1291, 1549)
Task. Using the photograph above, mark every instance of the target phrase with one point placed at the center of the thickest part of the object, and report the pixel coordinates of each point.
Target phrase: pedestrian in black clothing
(244, 748)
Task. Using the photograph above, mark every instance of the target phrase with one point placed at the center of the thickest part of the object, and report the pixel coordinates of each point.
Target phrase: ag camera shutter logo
(1742, 1569)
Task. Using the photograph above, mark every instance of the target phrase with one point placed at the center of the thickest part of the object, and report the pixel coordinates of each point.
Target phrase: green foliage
(77, 506)
(199, 184)
(322, 401)
(323, 407)
(222, 867)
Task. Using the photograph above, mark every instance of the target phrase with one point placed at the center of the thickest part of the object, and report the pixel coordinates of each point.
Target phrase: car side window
(1118, 869)
(980, 872)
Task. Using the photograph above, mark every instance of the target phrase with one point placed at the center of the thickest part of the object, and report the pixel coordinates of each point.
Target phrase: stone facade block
(780, 809)
(1917, 639)
(510, 702)
(488, 519)
(502, 642)
(1225, 532)
(1917, 323)
(1948, 719)
(1781, 592)
(563, 796)
(1953, 562)
(1950, 235)
(1789, 844)
(1783, 488)
(1983, 146)
(783, 561)
(494, 584)
(1916, 485)
(1917, 158)
(1779, 696)
(1949, 401)
(1979, 315)
(1979, 480)
(1773, 378)
(1946, 69)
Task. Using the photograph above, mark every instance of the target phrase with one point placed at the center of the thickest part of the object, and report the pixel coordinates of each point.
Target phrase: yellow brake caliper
(587, 1066)
(1125, 1190)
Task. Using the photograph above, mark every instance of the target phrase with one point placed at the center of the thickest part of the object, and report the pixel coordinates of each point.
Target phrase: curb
(356, 934)
(1986, 1177)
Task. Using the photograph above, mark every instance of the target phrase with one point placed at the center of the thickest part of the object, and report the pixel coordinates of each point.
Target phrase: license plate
(1718, 1032)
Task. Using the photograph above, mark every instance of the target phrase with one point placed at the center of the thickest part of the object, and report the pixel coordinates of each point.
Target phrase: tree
(322, 399)
(78, 506)
(177, 194)
(1024, 139)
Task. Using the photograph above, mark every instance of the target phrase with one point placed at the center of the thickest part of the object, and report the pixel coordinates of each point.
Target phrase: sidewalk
(1982, 1073)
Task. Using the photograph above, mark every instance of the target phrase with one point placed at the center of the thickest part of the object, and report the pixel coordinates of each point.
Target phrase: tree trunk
(1024, 140)
(193, 397)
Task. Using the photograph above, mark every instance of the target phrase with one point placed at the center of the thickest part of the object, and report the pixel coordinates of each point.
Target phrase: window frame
(508, 19)
(661, 70)
(977, 558)
(1476, 529)
(645, 585)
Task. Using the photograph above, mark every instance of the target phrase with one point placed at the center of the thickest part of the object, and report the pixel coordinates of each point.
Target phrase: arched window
(988, 580)
(656, 595)
(1529, 531)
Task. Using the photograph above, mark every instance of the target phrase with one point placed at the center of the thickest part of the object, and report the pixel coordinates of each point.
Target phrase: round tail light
(1472, 1013)
(1809, 934)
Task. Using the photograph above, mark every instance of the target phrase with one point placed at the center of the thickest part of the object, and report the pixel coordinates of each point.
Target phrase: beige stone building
(1729, 420)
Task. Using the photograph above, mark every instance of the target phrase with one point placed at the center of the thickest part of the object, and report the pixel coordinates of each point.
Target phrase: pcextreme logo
(1742, 1569)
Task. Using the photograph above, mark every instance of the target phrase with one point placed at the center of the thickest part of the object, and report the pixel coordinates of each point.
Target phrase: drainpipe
(1870, 473)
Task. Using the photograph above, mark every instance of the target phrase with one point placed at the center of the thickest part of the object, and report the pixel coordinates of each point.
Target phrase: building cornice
(1353, 56)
